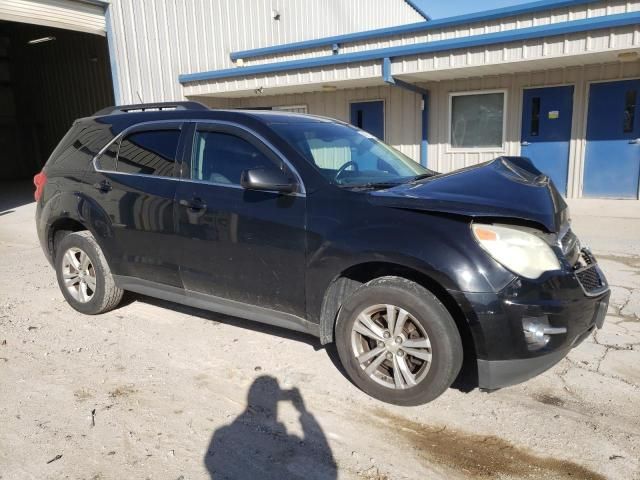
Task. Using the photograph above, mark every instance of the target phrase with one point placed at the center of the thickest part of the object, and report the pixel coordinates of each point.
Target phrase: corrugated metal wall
(506, 57)
(551, 16)
(499, 58)
(502, 57)
(156, 40)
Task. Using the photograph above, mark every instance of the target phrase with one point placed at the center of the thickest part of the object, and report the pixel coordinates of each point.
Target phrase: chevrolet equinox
(311, 224)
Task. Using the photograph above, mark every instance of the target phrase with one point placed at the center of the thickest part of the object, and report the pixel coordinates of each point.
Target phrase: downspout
(424, 140)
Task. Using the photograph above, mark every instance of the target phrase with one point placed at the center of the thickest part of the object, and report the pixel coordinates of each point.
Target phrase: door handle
(193, 204)
(104, 186)
(635, 141)
(524, 144)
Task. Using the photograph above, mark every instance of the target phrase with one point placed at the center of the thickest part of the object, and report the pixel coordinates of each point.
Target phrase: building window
(292, 108)
(477, 120)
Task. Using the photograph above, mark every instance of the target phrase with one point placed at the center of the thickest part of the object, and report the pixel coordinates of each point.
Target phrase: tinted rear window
(149, 152)
(78, 147)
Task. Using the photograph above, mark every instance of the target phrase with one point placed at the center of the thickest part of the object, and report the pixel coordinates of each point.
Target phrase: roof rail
(150, 107)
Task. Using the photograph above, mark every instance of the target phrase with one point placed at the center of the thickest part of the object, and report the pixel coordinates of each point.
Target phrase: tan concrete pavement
(152, 388)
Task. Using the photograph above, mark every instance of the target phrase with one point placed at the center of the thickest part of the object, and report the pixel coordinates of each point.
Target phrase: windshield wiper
(371, 185)
(421, 177)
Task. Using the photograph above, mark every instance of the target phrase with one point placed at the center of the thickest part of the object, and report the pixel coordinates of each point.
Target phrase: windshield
(350, 157)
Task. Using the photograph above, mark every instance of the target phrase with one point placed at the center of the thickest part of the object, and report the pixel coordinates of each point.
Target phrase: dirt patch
(82, 395)
(373, 474)
(481, 455)
(549, 399)
(122, 391)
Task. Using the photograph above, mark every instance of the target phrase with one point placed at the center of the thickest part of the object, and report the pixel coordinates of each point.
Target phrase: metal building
(64, 59)
(555, 80)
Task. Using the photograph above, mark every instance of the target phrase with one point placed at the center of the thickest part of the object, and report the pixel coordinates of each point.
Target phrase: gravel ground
(160, 391)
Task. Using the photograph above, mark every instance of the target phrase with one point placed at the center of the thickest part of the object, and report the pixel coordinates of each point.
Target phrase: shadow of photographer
(257, 445)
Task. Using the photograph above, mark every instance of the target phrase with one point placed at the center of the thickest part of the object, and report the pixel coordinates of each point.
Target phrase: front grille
(590, 279)
(588, 273)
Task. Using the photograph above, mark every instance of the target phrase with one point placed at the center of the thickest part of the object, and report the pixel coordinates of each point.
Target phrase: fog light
(537, 331)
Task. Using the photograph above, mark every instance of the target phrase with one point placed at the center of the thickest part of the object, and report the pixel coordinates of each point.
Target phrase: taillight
(39, 180)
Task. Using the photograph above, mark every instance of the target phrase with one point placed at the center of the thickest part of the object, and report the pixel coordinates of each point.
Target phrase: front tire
(84, 276)
(397, 342)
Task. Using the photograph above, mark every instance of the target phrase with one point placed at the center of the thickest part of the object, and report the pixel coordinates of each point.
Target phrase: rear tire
(411, 360)
(84, 276)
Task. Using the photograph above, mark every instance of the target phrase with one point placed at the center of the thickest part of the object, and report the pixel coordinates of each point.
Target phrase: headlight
(521, 252)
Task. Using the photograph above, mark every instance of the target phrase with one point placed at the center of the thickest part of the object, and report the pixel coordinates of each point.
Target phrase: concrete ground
(160, 391)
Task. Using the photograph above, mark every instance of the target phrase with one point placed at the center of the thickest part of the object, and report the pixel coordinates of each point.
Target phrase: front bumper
(504, 355)
(495, 374)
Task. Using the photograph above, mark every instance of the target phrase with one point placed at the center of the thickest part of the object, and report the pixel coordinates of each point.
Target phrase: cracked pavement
(151, 389)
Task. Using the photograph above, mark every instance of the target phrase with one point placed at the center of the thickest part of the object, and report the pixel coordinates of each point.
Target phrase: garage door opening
(48, 78)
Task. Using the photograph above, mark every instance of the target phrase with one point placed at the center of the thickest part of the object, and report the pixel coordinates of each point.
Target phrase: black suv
(313, 225)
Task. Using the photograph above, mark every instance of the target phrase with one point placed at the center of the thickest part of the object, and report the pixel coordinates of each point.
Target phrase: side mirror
(270, 179)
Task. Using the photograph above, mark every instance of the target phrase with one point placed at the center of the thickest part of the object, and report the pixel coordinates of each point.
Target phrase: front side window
(222, 157)
(348, 156)
(477, 121)
(148, 152)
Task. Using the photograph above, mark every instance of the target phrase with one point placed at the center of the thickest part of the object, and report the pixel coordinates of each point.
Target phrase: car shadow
(281, 332)
(131, 297)
(257, 444)
(466, 381)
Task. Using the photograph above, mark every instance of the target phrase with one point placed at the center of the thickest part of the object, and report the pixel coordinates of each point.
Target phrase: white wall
(507, 23)
(156, 40)
(554, 51)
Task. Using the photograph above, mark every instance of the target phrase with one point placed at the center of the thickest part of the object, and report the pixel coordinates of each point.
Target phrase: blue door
(369, 116)
(612, 157)
(546, 131)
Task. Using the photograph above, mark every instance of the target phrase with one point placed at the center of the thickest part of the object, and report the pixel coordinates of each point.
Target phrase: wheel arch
(67, 212)
(59, 228)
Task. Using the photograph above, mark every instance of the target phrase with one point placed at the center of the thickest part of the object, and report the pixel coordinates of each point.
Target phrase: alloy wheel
(391, 346)
(79, 274)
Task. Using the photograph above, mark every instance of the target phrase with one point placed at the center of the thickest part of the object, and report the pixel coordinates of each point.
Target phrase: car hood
(507, 187)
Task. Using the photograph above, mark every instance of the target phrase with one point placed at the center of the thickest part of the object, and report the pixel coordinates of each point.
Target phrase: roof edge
(530, 7)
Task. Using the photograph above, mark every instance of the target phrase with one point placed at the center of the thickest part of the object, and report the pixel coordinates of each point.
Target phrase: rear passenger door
(135, 182)
(237, 244)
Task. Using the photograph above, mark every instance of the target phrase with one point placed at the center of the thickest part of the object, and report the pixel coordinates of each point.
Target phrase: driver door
(236, 244)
